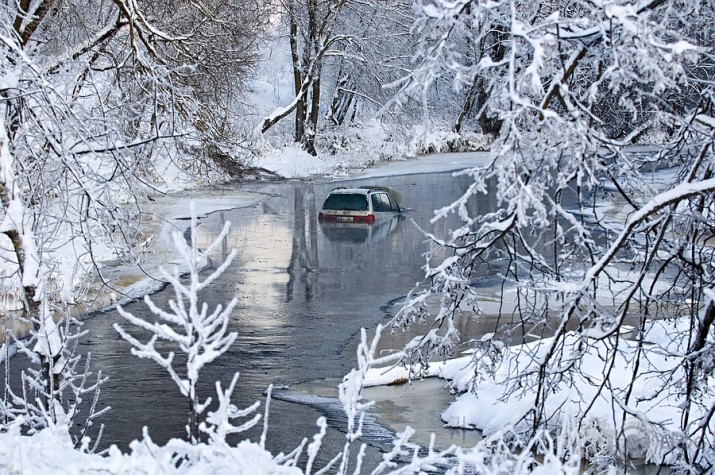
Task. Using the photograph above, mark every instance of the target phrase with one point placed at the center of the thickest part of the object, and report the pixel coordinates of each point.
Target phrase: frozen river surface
(304, 293)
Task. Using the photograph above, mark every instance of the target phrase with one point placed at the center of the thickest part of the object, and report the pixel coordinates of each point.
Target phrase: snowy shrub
(200, 335)
(56, 388)
(21, 454)
(444, 140)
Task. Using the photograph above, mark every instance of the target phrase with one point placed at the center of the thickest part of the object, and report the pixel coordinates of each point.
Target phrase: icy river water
(304, 293)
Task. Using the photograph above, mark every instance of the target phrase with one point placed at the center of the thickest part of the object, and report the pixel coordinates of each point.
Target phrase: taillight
(321, 216)
(370, 218)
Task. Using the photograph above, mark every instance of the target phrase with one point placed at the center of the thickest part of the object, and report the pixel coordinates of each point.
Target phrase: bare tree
(379, 51)
(311, 33)
(222, 42)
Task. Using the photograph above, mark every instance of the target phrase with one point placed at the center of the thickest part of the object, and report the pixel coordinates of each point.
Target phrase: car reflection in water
(359, 233)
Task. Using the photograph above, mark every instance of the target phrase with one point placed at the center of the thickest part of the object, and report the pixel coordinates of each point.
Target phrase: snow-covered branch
(201, 336)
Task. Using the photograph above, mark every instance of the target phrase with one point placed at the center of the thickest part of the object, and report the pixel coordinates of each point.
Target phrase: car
(360, 205)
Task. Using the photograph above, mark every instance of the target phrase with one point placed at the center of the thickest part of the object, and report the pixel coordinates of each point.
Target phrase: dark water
(304, 293)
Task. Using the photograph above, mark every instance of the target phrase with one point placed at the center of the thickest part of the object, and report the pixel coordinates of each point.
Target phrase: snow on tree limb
(592, 240)
(201, 335)
(674, 196)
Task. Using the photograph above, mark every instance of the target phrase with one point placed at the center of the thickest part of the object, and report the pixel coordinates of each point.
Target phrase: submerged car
(359, 205)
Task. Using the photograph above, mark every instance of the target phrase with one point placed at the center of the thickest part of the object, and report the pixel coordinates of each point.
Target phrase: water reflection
(304, 250)
(359, 233)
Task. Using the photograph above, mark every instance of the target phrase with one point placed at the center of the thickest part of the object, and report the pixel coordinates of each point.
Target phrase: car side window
(385, 202)
(377, 204)
(393, 204)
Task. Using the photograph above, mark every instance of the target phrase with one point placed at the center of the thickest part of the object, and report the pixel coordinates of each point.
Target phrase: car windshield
(346, 201)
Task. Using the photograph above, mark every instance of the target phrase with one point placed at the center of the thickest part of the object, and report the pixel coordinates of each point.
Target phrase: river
(304, 293)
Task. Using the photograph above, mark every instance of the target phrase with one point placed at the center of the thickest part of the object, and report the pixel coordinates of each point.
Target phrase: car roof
(344, 191)
(364, 190)
(369, 190)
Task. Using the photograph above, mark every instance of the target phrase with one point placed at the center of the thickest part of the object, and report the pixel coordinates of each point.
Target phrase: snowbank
(51, 450)
(492, 402)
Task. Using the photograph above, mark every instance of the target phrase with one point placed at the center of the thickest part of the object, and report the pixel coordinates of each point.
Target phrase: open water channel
(304, 293)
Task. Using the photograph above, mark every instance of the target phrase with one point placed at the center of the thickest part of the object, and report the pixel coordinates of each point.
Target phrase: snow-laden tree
(312, 34)
(604, 250)
(220, 40)
(98, 95)
(344, 58)
(48, 179)
(93, 98)
(378, 51)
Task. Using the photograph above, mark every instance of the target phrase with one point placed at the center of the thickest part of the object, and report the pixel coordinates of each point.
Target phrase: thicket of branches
(573, 85)
(93, 93)
(93, 96)
(345, 58)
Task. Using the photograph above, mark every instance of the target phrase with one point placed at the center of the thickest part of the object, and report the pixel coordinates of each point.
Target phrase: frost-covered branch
(201, 336)
(595, 242)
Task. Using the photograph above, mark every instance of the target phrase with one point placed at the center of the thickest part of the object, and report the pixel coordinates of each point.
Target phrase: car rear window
(346, 201)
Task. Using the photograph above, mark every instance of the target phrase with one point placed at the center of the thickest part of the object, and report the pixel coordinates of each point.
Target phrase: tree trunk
(467, 105)
(313, 118)
(297, 76)
(488, 125)
(315, 38)
(311, 55)
(342, 100)
(35, 18)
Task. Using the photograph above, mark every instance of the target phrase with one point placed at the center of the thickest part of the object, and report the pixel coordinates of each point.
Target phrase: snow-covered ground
(488, 404)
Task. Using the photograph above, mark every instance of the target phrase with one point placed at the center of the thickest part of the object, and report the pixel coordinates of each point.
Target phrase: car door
(394, 207)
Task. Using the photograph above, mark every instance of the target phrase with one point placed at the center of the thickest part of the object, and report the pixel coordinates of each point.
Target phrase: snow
(486, 404)
(706, 119)
(490, 404)
(436, 163)
(293, 162)
(20, 454)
